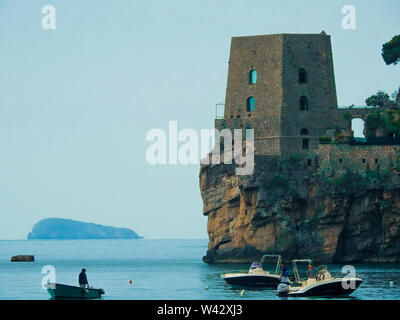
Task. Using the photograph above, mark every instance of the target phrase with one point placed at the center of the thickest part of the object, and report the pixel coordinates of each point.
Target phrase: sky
(77, 102)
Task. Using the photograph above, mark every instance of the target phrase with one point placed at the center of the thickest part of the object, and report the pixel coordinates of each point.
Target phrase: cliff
(324, 212)
(55, 228)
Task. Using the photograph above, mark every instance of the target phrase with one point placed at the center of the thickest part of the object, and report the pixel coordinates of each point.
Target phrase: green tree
(393, 120)
(380, 99)
(391, 51)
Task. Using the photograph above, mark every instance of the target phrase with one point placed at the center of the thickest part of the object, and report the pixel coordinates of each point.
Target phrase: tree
(393, 120)
(391, 51)
(380, 99)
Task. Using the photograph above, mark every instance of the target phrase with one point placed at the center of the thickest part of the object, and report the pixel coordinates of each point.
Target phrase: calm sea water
(159, 269)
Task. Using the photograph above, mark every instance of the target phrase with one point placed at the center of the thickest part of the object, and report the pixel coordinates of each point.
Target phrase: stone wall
(263, 54)
(357, 158)
(313, 53)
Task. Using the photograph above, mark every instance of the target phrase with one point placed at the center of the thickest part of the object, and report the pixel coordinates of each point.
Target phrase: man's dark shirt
(285, 271)
(82, 278)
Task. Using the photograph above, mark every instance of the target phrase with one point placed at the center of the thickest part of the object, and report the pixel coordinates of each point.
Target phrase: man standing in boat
(83, 279)
(283, 278)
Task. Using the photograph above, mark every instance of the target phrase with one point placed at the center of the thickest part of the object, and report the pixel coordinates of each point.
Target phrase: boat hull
(252, 281)
(62, 291)
(329, 289)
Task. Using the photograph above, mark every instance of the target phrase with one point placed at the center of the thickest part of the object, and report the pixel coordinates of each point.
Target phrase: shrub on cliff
(393, 120)
(391, 50)
(340, 138)
(349, 182)
(325, 139)
(280, 178)
(373, 122)
(380, 99)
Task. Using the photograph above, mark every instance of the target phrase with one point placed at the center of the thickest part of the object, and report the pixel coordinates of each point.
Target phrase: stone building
(283, 87)
(316, 191)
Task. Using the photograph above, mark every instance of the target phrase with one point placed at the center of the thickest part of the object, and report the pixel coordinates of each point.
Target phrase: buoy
(242, 293)
(206, 287)
(391, 284)
(130, 281)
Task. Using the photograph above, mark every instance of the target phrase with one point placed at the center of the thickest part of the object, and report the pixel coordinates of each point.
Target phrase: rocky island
(57, 228)
(316, 191)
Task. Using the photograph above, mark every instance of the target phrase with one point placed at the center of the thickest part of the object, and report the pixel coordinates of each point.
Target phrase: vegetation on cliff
(380, 99)
(391, 50)
(391, 55)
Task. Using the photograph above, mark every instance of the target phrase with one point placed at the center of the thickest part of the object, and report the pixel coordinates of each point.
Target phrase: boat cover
(255, 265)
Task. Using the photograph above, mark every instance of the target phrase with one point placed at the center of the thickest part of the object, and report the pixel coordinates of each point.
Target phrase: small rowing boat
(63, 291)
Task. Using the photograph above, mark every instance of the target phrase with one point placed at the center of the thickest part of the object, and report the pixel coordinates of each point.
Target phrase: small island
(57, 228)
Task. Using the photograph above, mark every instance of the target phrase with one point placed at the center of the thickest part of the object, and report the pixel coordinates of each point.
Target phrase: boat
(256, 277)
(63, 291)
(318, 283)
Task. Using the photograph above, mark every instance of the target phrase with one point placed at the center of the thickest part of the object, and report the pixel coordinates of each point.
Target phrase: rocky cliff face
(326, 214)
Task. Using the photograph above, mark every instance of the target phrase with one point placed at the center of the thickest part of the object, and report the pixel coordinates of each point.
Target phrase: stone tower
(283, 87)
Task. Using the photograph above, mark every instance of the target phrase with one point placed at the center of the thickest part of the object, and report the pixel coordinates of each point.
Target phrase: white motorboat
(256, 277)
(319, 282)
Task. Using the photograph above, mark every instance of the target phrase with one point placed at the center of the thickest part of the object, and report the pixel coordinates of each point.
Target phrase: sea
(151, 269)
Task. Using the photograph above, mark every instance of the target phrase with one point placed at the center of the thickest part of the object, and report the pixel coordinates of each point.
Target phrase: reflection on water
(159, 269)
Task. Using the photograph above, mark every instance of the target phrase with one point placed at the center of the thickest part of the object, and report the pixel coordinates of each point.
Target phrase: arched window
(303, 103)
(251, 104)
(304, 132)
(252, 77)
(302, 75)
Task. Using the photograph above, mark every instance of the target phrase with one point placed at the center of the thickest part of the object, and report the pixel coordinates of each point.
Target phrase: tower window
(302, 75)
(306, 144)
(304, 132)
(251, 104)
(309, 163)
(252, 77)
(303, 103)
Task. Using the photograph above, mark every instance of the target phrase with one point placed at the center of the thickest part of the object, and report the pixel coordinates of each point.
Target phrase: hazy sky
(76, 102)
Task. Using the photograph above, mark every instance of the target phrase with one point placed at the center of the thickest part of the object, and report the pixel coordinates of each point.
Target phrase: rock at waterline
(23, 258)
(57, 228)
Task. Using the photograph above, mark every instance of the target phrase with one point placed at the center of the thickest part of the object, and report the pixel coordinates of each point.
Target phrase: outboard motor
(283, 289)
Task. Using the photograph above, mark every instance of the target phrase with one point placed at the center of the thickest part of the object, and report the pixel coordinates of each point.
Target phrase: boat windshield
(303, 269)
(271, 263)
